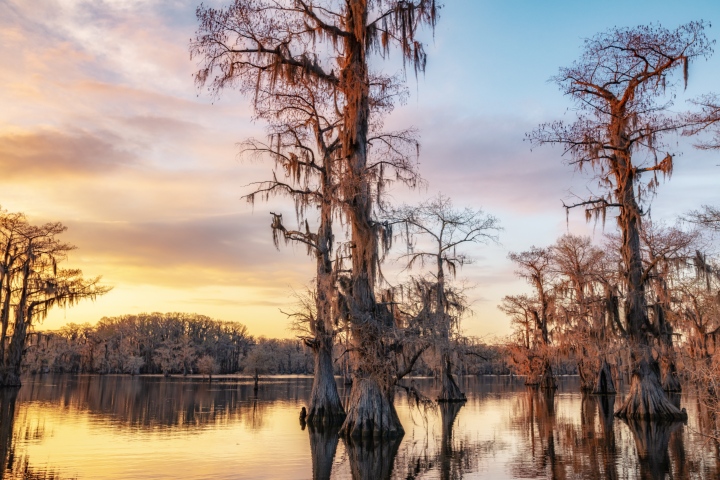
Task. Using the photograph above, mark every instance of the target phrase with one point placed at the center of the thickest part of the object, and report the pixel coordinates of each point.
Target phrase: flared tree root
(325, 407)
(371, 412)
(671, 382)
(646, 399)
(450, 391)
(604, 384)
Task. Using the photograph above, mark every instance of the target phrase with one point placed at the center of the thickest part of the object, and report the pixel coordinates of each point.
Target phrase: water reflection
(651, 441)
(372, 459)
(7, 417)
(18, 465)
(323, 444)
(152, 427)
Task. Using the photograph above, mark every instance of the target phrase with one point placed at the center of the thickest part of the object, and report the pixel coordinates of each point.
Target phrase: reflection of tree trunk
(677, 454)
(448, 412)
(546, 426)
(607, 408)
(651, 441)
(604, 384)
(323, 443)
(372, 458)
(7, 418)
(599, 446)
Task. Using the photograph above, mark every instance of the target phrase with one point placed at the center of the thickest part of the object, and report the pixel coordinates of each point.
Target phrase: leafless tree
(620, 86)
(446, 229)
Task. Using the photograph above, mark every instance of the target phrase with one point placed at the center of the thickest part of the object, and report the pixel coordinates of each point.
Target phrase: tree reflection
(372, 458)
(13, 430)
(7, 420)
(451, 455)
(651, 441)
(534, 419)
(323, 444)
(148, 402)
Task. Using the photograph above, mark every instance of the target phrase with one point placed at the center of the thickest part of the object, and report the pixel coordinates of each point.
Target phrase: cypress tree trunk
(371, 409)
(604, 384)
(10, 375)
(547, 379)
(325, 406)
(450, 391)
(646, 399)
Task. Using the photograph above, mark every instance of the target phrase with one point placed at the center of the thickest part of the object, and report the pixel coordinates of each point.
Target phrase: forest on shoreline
(179, 343)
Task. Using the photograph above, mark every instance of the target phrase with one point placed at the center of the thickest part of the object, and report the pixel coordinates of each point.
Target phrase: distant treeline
(182, 343)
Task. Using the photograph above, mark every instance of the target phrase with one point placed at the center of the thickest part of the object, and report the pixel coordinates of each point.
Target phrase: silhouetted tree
(33, 284)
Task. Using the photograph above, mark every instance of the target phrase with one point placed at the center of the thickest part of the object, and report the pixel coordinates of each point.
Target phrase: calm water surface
(150, 427)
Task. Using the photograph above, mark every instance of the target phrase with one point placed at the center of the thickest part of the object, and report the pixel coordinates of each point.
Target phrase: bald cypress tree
(621, 86)
(259, 44)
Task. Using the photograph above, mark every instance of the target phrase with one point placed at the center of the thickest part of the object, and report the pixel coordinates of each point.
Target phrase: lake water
(87, 427)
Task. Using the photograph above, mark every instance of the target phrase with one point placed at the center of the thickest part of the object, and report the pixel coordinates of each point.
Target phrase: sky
(103, 129)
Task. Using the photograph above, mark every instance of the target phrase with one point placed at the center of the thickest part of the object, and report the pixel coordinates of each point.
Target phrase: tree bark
(604, 384)
(547, 379)
(646, 399)
(325, 406)
(450, 391)
(371, 411)
(10, 374)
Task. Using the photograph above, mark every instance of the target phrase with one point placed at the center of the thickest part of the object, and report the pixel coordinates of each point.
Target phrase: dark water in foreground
(151, 427)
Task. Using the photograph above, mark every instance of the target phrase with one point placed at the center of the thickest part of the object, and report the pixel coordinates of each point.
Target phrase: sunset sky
(102, 128)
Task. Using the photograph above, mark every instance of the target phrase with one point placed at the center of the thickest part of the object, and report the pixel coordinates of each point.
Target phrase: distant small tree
(133, 364)
(207, 366)
(261, 360)
(535, 313)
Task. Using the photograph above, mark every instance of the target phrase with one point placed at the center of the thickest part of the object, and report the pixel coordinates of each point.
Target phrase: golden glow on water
(84, 445)
(122, 427)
